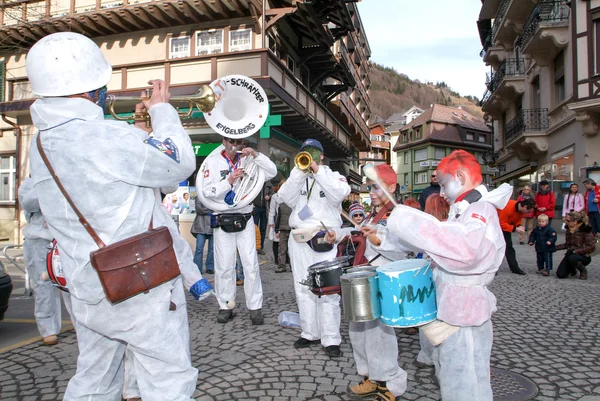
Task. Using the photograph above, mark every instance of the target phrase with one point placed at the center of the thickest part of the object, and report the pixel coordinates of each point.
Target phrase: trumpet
(204, 100)
(303, 160)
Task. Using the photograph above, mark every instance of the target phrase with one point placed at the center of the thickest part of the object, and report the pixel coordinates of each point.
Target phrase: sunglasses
(433, 176)
(235, 141)
(358, 215)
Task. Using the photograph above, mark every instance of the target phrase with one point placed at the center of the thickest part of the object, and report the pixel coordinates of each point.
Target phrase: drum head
(341, 261)
(403, 265)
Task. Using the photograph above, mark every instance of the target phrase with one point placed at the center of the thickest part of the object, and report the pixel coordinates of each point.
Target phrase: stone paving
(545, 329)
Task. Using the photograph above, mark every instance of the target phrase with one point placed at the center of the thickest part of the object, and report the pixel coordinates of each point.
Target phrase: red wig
(437, 206)
(411, 202)
(461, 160)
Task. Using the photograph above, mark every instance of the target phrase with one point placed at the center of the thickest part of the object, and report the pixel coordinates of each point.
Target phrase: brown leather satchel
(131, 266)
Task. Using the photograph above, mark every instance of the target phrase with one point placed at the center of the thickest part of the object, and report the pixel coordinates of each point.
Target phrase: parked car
(6, 287)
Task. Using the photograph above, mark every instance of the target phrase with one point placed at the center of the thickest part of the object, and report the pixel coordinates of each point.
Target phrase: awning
(514, 174)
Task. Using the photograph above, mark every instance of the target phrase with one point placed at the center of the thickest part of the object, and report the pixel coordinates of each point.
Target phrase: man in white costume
(111, 171)
(48, 313)
(315, 196)
(221, 171)
(468, 249)
(374, 345)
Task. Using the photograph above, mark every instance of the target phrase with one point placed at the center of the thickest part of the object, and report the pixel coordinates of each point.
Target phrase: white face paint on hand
(450, 186)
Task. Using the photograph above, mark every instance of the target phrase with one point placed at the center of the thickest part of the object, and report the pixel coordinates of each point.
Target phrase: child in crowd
(544, 238)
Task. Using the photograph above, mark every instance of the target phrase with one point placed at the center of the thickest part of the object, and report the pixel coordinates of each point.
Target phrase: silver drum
(360, 296)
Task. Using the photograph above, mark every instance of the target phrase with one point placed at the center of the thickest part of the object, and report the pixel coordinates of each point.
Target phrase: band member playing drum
(234, 229)
(467, 250)
(315, 195)
(374, 344)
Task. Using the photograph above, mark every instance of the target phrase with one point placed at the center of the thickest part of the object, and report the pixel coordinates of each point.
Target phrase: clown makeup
(377, 194)
(450, 186)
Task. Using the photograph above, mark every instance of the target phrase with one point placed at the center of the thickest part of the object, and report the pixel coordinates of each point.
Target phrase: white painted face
(450, 186)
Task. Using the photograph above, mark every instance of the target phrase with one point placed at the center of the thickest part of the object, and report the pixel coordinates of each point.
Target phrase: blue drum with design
(407, 293)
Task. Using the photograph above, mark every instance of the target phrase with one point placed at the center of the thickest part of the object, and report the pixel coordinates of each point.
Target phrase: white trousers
(225, 245)
(47, 297)
(462, 364)
(426, 352)
(319, 316)
(157, 337)
(375, 349)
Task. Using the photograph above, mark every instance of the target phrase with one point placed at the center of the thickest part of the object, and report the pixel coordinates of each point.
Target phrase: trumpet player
(222, 177)
(315, 194)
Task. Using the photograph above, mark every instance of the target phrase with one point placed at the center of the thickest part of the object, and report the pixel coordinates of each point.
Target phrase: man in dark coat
(433, 188)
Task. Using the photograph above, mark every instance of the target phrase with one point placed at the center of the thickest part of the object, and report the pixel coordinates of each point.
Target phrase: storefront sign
(204, 149)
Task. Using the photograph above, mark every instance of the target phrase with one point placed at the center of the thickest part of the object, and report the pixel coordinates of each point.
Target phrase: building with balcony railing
(312, 59)
(542, 92)
(434, 135)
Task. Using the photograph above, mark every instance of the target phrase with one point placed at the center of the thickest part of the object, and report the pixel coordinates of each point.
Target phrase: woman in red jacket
(545, 201)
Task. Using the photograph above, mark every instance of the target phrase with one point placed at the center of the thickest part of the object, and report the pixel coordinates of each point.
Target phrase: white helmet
(66, 63)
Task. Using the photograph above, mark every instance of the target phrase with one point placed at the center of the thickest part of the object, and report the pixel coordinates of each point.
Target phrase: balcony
(546, 32)
(492, 55)
(509, 21)
(504, 86)
(527, 132)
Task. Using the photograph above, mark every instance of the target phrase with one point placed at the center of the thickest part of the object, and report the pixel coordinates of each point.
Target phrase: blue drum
(407, 293)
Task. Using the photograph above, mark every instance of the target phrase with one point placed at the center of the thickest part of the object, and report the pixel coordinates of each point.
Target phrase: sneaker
(333, 351)
(260, 252)
(224, 315)
(383, 394)
(257, 317)
(210, 272)
(280, 269)
(239, 282)
(521, 243)
(50, 340)
(303, 342)
(539, 272)
(545, 273)
(363, 389)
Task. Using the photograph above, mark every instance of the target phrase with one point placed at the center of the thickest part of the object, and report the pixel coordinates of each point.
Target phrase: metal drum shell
(360, 296)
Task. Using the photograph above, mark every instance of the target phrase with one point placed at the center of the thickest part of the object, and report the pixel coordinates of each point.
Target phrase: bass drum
(245, 199)
(54, 268)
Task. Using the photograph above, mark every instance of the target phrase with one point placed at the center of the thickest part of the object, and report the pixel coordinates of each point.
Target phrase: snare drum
(54, 268)
(324, 277)
(407, 293)
(360, 295)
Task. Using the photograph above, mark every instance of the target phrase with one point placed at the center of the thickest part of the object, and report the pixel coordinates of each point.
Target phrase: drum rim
(337, 261)
(366, 274)
(400, 269)
(324, 269)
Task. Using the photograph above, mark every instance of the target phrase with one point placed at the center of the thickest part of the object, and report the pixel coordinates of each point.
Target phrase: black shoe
(257, 317)
(280, 269)
(333, 351)
(303, 342)
(519, 272)
(260, 252)
(210, 272)
(224, 315)
(521, 243)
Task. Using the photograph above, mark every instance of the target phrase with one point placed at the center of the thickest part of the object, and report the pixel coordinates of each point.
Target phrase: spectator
(579, 243)
(573, 202)
(510, 219)
(282, 230)
(544, 238)
(529, 218)
(357, 213)
(591, 199)
(411, 202)
(433, 188)
(203, 232)
(545, 201)
(261, 207)
(273, 209)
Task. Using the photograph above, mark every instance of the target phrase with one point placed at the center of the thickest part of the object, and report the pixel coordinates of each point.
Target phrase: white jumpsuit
(375, 345)
(319, 316)
(215, 186)
(468, 249)
(48, 312)
(111, 170)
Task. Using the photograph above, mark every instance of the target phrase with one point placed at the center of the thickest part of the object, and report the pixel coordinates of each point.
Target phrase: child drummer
(467, 249)
(374, 344)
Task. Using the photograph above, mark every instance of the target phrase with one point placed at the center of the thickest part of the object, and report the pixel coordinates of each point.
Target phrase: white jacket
(217, 170)
(467, 249)
(110, 170)
(36, 223)
(329, 190)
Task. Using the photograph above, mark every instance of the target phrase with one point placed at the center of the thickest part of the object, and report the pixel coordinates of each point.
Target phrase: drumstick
(371, 174)
(324, 226)
(349, 219)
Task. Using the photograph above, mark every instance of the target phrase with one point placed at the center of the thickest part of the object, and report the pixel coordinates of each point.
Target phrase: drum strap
(382, 213)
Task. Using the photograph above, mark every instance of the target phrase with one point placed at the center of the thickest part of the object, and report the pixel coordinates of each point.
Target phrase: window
(440, 153)
(292, 66)
(406, 180)
(417, 133)
(537, 95)
(240, 40)
(8, 176)
(597, 45)
(470, 136)
(559, 78)
(405, 137)
(272, 44)
(209, 42)
(421, 154)
(405, 157)
(482, 138)
(180, 47)
(421, 178)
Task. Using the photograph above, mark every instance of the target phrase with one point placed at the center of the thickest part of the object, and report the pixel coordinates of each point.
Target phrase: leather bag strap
(82, 219)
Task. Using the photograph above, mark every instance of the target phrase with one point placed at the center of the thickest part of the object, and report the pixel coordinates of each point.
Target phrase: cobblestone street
(545, 329)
